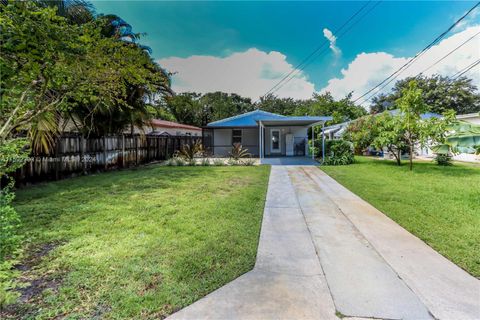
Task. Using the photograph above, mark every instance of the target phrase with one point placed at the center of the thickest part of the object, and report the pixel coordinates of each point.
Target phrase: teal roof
(251, 119)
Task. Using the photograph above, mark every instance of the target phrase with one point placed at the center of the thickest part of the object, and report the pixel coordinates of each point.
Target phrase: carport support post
(260, 142)
(323, 141)
(313, 142)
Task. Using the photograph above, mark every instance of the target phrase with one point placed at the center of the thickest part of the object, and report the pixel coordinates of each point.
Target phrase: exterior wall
(472, 118)
(222, 141)
(298, 132)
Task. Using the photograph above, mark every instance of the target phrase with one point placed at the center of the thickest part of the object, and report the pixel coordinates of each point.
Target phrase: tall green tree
(325, 105)
(406, 129)
(75, 11)
(440, 93)
(185, 108)
(54, 70)
(283, 106)
(221, 105)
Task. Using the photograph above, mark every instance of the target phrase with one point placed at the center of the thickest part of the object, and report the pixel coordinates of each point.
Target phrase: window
(236, 136)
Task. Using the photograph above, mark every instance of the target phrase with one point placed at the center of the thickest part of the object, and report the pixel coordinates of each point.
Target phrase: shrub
(248, 162)
(10, 242)
(179, 162)
(9, 224)
(338, 152)
(205, 162)
(443, 159)
(188, 152)
(218, 162)
(170, 162)
(233, 162)
(239, 152)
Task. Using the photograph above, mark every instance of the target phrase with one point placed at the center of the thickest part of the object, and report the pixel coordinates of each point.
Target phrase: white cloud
(333, 41)
(368, 69)
(250, 73)
(469, 20)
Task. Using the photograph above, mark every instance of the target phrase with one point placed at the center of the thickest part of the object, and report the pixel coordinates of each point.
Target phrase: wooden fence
(77, 155)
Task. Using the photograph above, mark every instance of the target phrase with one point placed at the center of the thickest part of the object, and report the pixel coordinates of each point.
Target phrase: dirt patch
(36, 254)
(34, 284)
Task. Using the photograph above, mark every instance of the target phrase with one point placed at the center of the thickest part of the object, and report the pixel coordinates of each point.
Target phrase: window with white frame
(236, 136)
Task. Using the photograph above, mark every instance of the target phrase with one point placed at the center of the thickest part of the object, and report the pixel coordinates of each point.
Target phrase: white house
(264, 134)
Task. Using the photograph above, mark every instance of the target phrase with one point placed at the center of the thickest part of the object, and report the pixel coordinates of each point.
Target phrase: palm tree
(76, 11)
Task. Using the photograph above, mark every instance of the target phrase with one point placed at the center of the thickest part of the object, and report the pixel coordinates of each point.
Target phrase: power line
(296, 71)
(394, 75)
(466, 69)
(438, 61)
(305, 60)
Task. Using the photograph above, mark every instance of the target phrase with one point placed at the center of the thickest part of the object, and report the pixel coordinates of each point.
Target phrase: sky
(248, 47)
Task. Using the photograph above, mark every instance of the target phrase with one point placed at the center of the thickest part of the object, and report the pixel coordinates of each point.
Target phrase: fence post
(123, 150)
(105, 150)
(165, 154)
(148, 149)
(57, 160)
(136, 150)
(82, 155)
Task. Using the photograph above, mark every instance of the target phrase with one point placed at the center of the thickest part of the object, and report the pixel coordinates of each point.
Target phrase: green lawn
(440, 205)
(138, 243)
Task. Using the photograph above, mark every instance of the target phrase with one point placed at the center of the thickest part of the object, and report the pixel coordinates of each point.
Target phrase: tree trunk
(411, 156)
(396, 154)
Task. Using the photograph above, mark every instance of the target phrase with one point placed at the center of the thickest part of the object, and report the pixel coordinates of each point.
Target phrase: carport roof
(251, 119)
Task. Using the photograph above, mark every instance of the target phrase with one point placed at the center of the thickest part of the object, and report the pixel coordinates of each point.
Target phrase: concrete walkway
(324, 252)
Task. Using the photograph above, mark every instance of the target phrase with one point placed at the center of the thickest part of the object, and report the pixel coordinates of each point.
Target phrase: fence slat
(75, 154)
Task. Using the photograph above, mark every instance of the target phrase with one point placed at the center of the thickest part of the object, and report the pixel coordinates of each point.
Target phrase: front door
(275, 140)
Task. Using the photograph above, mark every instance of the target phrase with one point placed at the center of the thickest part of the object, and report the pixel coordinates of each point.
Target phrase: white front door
(275, 138)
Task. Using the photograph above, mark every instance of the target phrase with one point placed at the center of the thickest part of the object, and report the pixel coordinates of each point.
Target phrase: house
(473, 118)
(337, 131)
(470, 117)
(264, 134)
(169, 128)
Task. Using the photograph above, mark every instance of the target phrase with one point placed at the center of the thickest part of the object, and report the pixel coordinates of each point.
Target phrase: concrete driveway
(324, 253)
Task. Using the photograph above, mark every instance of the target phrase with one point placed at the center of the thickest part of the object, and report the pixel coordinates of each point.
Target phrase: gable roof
(157, 123)
(251, 119)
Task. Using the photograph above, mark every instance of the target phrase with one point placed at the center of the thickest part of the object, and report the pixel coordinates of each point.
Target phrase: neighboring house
(264, 134)
(336, 131)
(169, 128)
(475, 119)
(470, 117)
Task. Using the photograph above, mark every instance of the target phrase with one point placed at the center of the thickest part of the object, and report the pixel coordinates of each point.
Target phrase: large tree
(440, 93)
(52, 69)
(221, 105)
(405, 130)
(325, 105)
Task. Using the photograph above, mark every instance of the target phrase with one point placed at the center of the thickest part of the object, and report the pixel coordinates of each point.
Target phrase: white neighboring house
(470, 117)
(475, 119)
(169, 128)
(336, 132)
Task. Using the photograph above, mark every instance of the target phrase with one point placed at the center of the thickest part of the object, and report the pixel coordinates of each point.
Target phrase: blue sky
(179, 30)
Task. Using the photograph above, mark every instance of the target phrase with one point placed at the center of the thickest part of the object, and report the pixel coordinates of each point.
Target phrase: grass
(138, 243)
(440, 205)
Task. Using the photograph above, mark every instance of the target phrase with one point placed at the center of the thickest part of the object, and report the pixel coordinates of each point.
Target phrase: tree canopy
(197, 109)
(440, 93)
(54, 70)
